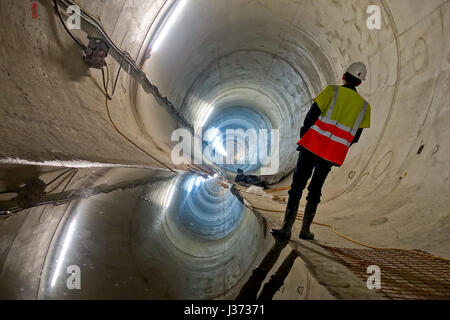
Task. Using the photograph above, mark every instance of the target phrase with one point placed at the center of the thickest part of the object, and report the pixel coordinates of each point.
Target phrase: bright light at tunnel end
(251, 147)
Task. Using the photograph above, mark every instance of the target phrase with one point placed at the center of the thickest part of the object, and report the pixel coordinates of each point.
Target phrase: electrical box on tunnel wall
(96, 53)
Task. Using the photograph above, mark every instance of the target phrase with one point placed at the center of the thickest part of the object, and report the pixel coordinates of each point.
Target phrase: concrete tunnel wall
(386, 193)
(53, 108)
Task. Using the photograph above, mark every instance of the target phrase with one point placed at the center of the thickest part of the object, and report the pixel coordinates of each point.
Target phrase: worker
(334, 122)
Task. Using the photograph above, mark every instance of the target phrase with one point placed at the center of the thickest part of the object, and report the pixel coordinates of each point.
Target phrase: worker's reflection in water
(250, 290)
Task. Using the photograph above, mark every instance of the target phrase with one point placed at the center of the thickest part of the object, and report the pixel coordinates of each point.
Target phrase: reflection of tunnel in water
(162, 240)
(205, 207)
(249, 146)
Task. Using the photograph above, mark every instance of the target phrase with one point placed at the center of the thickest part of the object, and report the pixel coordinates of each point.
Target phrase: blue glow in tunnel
(205, 207)
(247, 157)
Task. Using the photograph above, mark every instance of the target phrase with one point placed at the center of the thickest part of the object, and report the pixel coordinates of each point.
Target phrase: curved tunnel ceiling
(258, 64)
(288, 51)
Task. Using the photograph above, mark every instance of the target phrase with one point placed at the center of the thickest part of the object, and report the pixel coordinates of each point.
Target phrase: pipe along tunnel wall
(268, 56)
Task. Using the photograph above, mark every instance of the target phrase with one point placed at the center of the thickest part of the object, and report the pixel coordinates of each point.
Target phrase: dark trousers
(307, 162)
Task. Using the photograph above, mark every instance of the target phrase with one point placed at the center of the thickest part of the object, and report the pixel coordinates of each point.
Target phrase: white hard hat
(358, 70)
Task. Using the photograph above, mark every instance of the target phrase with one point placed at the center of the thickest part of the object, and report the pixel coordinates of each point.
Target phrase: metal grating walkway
(404, 275)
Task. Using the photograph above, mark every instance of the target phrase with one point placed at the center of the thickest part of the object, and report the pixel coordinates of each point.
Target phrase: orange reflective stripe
(324, 147)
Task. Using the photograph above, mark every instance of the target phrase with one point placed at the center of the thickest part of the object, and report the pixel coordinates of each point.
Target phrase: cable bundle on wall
(126, 58)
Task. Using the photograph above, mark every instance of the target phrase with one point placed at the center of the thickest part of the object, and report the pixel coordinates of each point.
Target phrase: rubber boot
(308, 217)
(289, 219)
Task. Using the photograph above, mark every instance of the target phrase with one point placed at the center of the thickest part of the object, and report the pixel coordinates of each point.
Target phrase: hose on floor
(333, 228)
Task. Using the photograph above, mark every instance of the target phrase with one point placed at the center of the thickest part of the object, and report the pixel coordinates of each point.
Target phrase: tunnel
(89, 183)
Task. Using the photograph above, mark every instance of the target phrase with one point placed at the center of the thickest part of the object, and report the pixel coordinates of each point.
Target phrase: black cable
(65, 27)
(88, 18)
(118, 73)
(104, 86)
(115, 82)
(8, 191)
(7, 212)
(68, 182)
(61, 182)
(65, 171)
